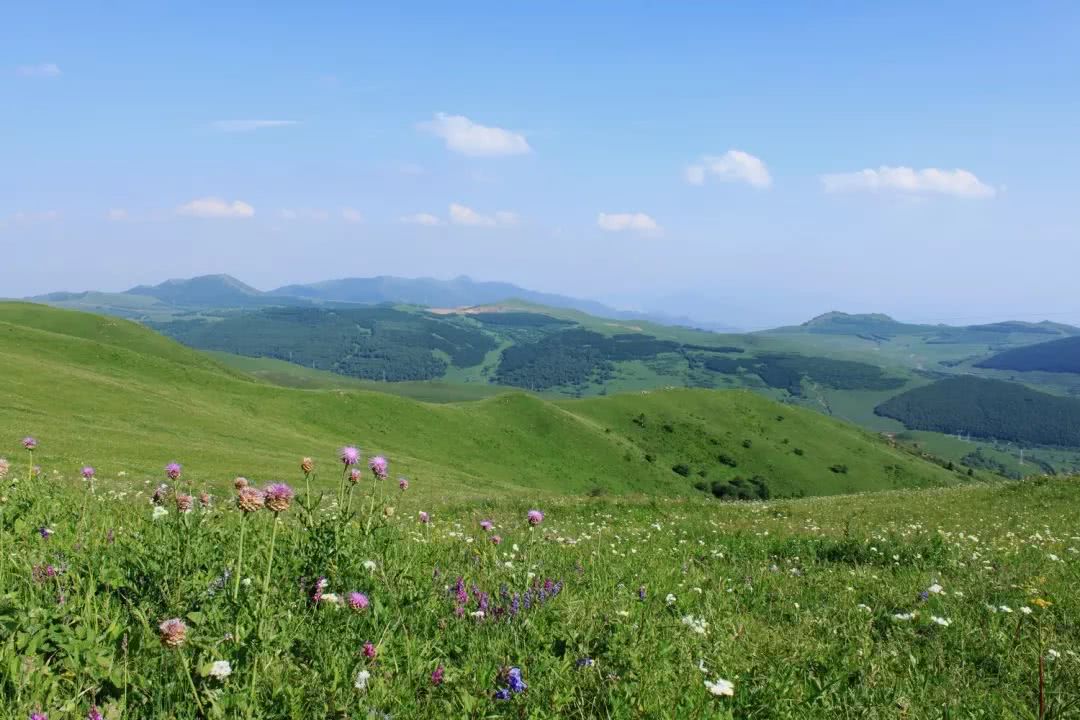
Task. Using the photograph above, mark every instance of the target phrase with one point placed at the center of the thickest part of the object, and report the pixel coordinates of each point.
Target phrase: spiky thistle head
(87, 472)
(307, 465)
(358, 601)
(278, 497)
(403, 483)
(379, 466)
(29, 443)
(184, 502)
(535, 517)
(172, 632)
(240, 482)
(249, 499)
(349, 455)
(173, 470)
(354, 476)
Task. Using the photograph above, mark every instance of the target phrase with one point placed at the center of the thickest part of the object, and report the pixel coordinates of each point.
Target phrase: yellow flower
(1041, 603)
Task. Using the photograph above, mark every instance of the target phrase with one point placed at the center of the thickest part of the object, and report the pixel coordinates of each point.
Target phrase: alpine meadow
(605, 361)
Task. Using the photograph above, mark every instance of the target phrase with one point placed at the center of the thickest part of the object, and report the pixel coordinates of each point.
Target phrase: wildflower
(172, 632)
(204, 499)
(37, 715)
(1052, 655)
(403, 484)
(361, 681)
(424, 517)
(349, 455)
(1026, 610)
(864, 608)
(496, 539)
(535, 517)
(378, 466)
(502, 694)
(369, 651)
(307, 465)
(45, 532)
(934, 589)
(513, 677)
(87, 473)
(1041, 603)
(1005, 608)
(354, 476)
(94, 714)
(5, 467)
(641, 593)
(358, 601)
(943, 622)
(159, 512)
(320, 586)
(249, 499)
(278, 497)
(388, 511)
(29, 443)
(220, 669)
(721, 687)
(696, 624)
(240, 482)
(585, 662)
(670, 599)
(160, 492)
(437, 676)
(370, 565)
(904, 617)
(184, 503)
(486, 525)
(172, 471)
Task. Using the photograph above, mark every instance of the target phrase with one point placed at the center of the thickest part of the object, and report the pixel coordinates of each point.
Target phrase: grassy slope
(111, 393)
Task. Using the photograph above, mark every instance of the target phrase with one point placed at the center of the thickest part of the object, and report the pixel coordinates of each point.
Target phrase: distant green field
(111, 393)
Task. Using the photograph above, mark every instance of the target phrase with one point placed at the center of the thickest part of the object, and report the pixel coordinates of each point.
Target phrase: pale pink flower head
(424, 517)
(249, 499)
(204, 499)
(173, 632)
(240, 482)
(486, 525)
(495, 539)
(350, 455)
(403, 484)
(358, 601)
(354, 476)
(535, 517)
(94, 714)
(29, 443)
(184, 502)
(278, 497)
(159, 494)
(5, 466)
(379, 466)
(87, 472)
(172, 470)
(369, 651)
(307, 465)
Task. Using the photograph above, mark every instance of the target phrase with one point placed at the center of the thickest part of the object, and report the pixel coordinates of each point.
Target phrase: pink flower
(486, 525)
(535, 517)
(354, 476)
(403, 483)
(29, 443)
(88, 473)
(369, 651)
(358, 601)
(378, 466)
(424, 517)
(495, 539)
(350, 455)
(278, 497)
(172, 470)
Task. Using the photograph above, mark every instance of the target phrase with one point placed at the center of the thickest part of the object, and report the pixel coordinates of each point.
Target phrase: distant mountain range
(225, 291)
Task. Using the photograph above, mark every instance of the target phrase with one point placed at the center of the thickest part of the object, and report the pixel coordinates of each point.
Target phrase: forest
(1054, 356)
(786, 371)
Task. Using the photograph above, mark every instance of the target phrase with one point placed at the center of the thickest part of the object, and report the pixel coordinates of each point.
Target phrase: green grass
(111, 393)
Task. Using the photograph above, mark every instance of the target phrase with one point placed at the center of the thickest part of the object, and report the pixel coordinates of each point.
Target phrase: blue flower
(514, 678)
(502, 694)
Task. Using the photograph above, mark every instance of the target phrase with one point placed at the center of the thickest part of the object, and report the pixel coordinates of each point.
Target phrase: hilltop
(116, 394)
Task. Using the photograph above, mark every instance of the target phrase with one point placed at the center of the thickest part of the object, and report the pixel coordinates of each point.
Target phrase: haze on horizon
(749, 165)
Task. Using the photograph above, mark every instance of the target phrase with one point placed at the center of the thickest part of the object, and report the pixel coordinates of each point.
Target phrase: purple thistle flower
(403, 483)
(278, 497)
(496, 539)
(535, 517)
(320, 586)
(378, 466)
(437, 676)
(350, 455)
(486, 525)
(94, 714)
(354, 476)
(87, 472)
(38, 715)
(172, 470)
(369, 651)
(29, 443)
(424, 517)
(358, 601)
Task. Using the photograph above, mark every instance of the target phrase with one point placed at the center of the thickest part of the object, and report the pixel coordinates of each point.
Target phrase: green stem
(262, 612)
(239, 556)
(30, 470)
(191, 682)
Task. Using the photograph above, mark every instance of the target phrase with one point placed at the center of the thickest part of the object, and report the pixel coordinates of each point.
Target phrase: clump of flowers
(535, 517)
(172, 471)
(437, 676)
(513, 681)
(369, 651)
(278, 497)
(172, 632)
(721, 687)
(320, 588)
(505, 606)
(220, 669)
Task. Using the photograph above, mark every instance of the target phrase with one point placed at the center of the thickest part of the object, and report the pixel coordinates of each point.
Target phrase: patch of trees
(787, 370)
(988, 409)
(1054, 356)
(737, 488)
(375, 343)
(518, 319)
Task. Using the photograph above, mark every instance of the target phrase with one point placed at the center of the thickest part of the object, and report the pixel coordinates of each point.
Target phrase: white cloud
(421, 219)
(40, 70)
(464, 136)
(249, 125)
(960, 183)
(35, 218)
(351, 216)
(462, 215)
(315, 214)
(117, 215)
(212, 207)
(620, 222)
(732, 166)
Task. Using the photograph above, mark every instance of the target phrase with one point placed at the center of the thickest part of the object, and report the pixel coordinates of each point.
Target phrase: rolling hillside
(114, 394)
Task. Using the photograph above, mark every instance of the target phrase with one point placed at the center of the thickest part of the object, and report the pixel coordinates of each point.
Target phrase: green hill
(1062, 356)
(116, 395)
(988, 409)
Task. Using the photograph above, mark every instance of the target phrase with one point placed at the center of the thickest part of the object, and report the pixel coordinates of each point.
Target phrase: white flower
(721, 687)
(904, 617)
(479, 614)
(670, 599)
(934, 589)
(159, 512)
(864, 608)
(362, 678)
(246, 582)
(330, 599)
(221, 669)
(370, 565)
(1052, 654)
(1026, 610)
(622, 613)
(696, 624)
(701, 666)
(1005, 608)
(1053, 557)
(943, 622)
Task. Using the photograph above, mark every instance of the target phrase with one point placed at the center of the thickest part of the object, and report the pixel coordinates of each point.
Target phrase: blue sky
(749, 163)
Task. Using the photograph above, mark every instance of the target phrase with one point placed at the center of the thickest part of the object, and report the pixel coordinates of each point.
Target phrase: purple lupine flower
(369, 651)
(350, 455)
(87, 472)
(486, 525)
(535, 517)
(172, 470)
(378, 466)
(924, 596)
(29, 443)
(437, 676)
(502, 694)
(424, 517)
(403, 483)
(515, 605)
(358, 601)
(513, 677)
(45, 532)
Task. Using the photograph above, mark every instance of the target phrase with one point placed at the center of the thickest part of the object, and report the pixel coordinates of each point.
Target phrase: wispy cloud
(464, 136)
(117, 215)
(463, 215)
(628, 222)
(32, 217)
(426, 219)
(41, 70)
(351, 215)
(732, 166)
(958, 183)
(250, 125)
(316, 214)
(212, 207)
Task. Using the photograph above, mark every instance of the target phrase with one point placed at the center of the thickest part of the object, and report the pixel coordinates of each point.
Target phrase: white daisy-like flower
(904, 617)
(370, 565)
(220, 669)
(721, 687)
(1052, 654)
(864, 608)
(943, 622)
(1026, 610)
(361, 681)
(934, 589)
(1005, 608)
(670, 599)
(696, 624)
(159, 512)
